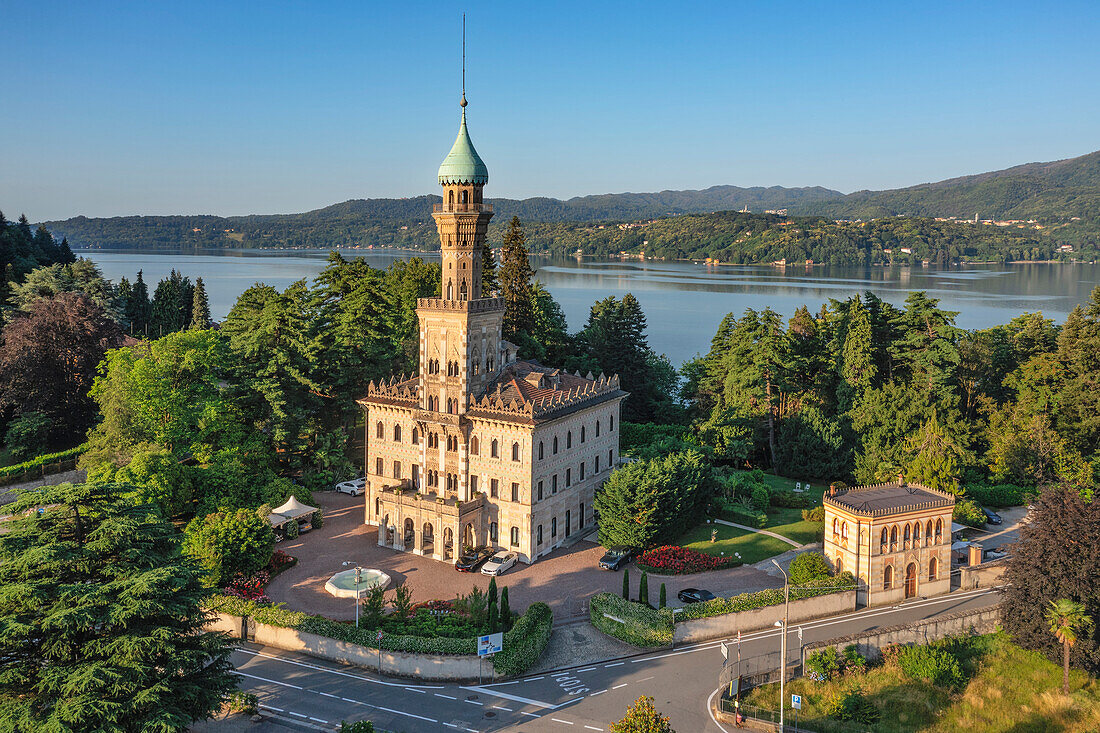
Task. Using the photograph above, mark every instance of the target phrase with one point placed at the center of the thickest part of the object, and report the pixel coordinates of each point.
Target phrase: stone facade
(894, 538)
(481, 448)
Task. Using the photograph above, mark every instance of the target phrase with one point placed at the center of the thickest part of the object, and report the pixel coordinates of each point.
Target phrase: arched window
(416, 436)
(492, 531)
(844, 531)
(450, 290)
(928, 533)
(494, 449)
(883, 541)
(515, 452)
(916, 535)
(939, 530)
(555, 445)
(568, 439)
(451, 199)
(475, 446)
(907, 538)
(378, 466)
(836, 524)
(515, 536)
(553, 527)
(396, 433)
(379, 430)
(888, 577)
(597, 427)
(611, 423)
(839, 565)
(582, 433)
(538, 535)
(465, 196)
(541, 447)
(397, 469)
(933, 567)
(462, 291)
(894, 538)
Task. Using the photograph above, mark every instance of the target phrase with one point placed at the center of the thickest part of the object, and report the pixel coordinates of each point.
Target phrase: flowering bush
(673, 560)
(249, 587)
(280, 561)
(436, 606)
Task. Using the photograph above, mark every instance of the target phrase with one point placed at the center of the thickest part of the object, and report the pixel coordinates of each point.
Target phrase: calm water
(683, 302)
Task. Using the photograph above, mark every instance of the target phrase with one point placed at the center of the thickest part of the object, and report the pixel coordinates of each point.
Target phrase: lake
(683, 302)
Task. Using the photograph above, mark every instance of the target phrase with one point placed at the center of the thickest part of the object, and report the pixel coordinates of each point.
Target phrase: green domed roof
(463, 164)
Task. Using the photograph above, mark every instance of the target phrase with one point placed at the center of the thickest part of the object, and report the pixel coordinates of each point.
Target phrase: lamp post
(358, 579)
(783, 642)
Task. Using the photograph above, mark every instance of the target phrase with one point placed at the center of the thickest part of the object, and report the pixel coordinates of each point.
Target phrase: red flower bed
(280, 561)
(674, 560)
(250, 587)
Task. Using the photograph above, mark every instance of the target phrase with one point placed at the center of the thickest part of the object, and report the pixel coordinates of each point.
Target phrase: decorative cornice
(943, 499)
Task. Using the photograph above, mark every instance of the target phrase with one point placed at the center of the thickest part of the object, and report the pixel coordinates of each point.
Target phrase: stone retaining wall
(718, 627)
(398, 664)
(981, 576)
(871, 643)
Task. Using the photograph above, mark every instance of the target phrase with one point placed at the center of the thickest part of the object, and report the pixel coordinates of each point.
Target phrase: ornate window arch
(885, 539)
(893, 538)
(541, 449)
(907, 538)
(933, 568)
(555, 445)
(475, 446)
(380, 430)
(515, 452)
(939, 530)
(396, 433)
(494, 449)
(888, 577)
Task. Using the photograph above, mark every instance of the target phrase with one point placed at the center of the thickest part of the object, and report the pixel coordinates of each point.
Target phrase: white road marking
(446, 696)
(451, 725)
(474, 702)
(412, 689)
(592, 727)
(297, 715)
(622, 685)
(532, 679)
(284, 660)
(586, 669)
(347, 699)
(327, 694)
(272, 707)
(529, 715)
(616, 664)
(264, 679)
(597, 693)
(513, 698)
(501, 707)
(318, 720)
(559, 720)
(357, 702)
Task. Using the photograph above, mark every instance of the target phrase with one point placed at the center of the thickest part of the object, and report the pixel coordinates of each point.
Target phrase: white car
(499, 562)
(355, 487)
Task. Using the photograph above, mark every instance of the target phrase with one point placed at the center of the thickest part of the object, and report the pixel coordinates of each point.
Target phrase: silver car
(499, 562)
(355, 487)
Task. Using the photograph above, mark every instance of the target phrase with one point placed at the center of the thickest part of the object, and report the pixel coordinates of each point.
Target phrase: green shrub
(633, 623)
(42, 461)
(733, 511)
(808, 567)
(761, 498)
(1000, 495)
(291, 530)
(662, 597)
(316, 521)
(852, 706)
(853, 661)
(359, 726)
(770, 597)
(243, 703)
(932, 663)
(790, 500)
(817, 514)
(969, 513)
(526, 641)
(643, 589)
(27, 435)
(825, 664)
(228, 543)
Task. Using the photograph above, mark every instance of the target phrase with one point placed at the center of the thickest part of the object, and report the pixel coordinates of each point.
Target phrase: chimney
(901, 478)
(975, 556)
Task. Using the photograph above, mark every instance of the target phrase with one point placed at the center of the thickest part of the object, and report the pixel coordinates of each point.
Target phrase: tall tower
(460, 331)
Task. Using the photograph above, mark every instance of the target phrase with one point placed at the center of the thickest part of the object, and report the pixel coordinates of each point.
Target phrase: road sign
(796, 702)
(490, 644)
(379, 637)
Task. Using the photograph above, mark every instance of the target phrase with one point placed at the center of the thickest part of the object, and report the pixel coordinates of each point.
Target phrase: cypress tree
(626, 584)
(662, 598)
(491, 619)
(491, 594)
(515, 281)
(489, 283)
(137, 305)
(200, 309)
(505, 610)
(643, 589)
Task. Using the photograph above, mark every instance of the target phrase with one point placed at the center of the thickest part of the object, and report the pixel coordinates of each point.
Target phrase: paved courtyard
(565, 579)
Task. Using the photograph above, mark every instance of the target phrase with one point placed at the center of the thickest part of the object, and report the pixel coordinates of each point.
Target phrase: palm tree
(1067, 619)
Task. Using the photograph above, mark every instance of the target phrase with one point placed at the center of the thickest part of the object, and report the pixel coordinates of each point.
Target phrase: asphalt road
(319, 694)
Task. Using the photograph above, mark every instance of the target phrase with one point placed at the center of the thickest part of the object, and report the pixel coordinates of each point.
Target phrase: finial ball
(463, 102)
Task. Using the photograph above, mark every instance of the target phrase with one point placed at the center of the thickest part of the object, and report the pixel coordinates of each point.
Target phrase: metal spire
(463, 102)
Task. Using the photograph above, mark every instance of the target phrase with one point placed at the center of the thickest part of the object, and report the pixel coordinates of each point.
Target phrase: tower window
(494, 449)
(515, 452)
(379, 430)
(475, 445)
(541, 446)
(515, 491)
(396, 433)
(582, 433)
(569, 440)
(555, 445)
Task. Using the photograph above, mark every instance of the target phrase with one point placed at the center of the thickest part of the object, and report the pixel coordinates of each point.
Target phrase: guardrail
(461, 208)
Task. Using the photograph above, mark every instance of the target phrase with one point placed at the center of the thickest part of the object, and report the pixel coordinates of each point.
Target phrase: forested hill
(1054, 194)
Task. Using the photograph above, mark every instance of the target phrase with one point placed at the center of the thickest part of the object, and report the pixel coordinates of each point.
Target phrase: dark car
(695, 595)
(991, 517)
(616, 557)
(469, 562)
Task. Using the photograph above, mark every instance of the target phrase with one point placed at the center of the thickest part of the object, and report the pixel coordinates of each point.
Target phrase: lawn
(800, 531)
(753, 546)
(787, 521)
(1007, 689)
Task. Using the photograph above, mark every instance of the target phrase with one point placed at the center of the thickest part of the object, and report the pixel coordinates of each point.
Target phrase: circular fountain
(342, 585)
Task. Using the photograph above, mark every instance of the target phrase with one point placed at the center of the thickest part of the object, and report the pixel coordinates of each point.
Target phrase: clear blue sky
(235, 108)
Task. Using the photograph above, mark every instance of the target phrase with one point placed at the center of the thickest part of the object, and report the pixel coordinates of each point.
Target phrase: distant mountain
(1049, 192)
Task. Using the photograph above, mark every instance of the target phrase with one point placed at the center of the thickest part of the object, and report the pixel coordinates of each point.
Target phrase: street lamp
(358, 579)
(783, 643)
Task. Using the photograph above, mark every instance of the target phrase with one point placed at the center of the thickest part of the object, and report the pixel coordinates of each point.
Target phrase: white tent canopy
(293, 509)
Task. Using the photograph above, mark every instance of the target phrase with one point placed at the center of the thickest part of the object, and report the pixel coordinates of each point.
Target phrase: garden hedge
(640, 625)
(770, 597)
(733, 511)
(523, 645)
(42, 461)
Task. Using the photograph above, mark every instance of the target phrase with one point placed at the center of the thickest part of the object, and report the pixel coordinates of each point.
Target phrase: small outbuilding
(292, 510)
(895, 538)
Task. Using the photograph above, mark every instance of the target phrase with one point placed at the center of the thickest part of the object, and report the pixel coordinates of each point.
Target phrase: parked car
(355, 487)
(991, 517)
(470, 561)
(499, 562)
(695, 595)
(616, 557)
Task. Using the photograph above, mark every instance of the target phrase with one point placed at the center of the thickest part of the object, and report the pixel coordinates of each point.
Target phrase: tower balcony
(456, 208)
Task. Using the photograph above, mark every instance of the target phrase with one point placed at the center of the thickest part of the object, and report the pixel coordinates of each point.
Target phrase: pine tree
(102, 623)
(626, 584)
(643, 589)
(137, 306)
(489, 283)
(200, 308)
(515, 281)
(65, 253)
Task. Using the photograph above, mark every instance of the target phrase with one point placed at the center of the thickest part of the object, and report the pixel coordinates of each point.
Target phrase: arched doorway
(911, 580)
(409, 535)
(387, 531)
(448, 544)
(468, 536)
(427, 539)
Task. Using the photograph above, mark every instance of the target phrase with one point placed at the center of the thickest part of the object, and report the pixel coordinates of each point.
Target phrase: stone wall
(717, 627)
(871, 643)
(981, 576)
(397, 664)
